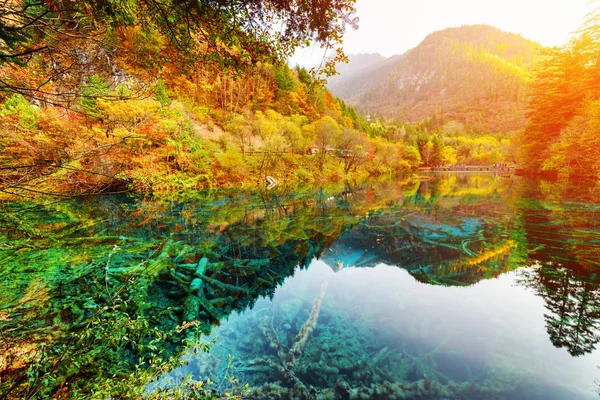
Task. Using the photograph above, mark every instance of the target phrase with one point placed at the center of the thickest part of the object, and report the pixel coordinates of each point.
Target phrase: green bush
(18, 106)
(303, 175)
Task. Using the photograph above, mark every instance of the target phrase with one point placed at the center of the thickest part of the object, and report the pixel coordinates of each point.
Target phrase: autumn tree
(328, 134)
(353, 147)
(566, 85)
(427, 153)
(58, 36)
(385, 156)
(240, 126)
(291, 128)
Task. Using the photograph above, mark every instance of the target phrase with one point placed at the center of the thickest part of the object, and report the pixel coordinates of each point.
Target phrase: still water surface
(446, 286)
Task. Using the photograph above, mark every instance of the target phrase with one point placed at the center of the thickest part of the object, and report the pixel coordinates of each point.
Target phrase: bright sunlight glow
(392, 27)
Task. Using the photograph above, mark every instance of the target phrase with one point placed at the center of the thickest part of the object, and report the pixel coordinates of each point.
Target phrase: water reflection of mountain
(117, 284)
(437, 249)
(449, 243)
(440, 235)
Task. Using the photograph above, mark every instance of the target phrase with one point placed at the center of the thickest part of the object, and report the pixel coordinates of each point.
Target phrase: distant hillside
(472, 74)
(360, 62)
(358, 75)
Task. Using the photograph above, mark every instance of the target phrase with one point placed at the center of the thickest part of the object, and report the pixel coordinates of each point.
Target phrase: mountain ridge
(456, 72)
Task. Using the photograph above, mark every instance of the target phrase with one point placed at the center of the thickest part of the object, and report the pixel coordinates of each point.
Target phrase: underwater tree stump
(287, 361)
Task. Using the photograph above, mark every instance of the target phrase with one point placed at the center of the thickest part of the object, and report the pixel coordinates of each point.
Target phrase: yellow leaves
(274, 144)
(130, 113)
(97, 131)
(347, 122)
(144, 50)
(483, 150)
(309, 132)
(231, 167)
(492, 253)
(175, 120)
(121, 133)
(267, 128)
(327, 130)
(294, 99)
(273, 115)
(501, 64)
(279, 133)
(412, 156)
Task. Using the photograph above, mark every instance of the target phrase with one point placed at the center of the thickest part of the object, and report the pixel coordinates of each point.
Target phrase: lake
(443, 285)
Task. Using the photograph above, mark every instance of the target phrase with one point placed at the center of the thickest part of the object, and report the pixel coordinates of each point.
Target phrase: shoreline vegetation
(148, 146)
(139, 115)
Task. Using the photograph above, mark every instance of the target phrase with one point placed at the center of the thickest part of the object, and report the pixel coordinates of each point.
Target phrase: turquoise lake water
(440, 286)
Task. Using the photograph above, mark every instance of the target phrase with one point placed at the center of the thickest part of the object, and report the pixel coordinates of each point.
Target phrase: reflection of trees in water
(119, 294)
(450, 231)
(563, 239)
(443, 249)
(573, 304)
(251, 245)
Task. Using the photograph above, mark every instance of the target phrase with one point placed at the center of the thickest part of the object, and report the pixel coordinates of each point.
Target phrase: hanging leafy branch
(63, 41)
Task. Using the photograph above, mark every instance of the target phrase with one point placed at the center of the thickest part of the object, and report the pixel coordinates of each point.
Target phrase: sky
(392, 27)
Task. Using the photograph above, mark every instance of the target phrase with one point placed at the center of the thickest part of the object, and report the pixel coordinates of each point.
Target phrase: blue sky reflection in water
(378, 323)
(492, 333)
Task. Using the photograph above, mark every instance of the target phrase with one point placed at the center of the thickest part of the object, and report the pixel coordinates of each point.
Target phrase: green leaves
(161, 93)
(19, 107)
(92, 90)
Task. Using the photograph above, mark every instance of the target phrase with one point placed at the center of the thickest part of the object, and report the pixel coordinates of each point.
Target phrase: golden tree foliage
(563, 107)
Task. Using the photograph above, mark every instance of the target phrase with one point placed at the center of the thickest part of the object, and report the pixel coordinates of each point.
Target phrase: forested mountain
(475, 75)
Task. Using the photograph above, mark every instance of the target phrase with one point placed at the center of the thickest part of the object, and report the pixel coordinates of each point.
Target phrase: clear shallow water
(449, 286)
(378, 324)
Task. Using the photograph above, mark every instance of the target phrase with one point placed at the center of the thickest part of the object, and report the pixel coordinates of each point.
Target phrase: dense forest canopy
(63, 37)
(160, 94)
(564, 108)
